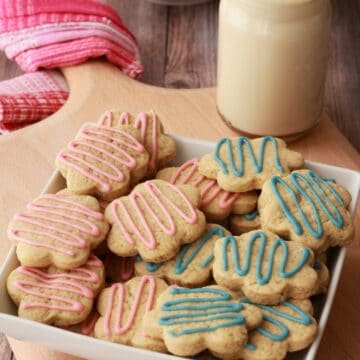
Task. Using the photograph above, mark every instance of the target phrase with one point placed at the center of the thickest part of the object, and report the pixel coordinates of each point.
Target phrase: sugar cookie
(240, 164)
(264, 267)
(192, 320)
(58, 230)
(308, 209)
(216, 203)
(56, 297)
(192, 266)
(154, 220)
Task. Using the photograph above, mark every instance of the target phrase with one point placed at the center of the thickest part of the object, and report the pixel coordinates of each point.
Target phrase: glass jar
(272, 59)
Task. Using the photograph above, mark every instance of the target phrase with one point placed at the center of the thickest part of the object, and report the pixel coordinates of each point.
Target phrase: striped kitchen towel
(42, 34)
(48, 34)
(31, 97)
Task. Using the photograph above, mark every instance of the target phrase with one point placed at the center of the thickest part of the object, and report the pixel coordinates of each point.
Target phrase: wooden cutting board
(27, 161)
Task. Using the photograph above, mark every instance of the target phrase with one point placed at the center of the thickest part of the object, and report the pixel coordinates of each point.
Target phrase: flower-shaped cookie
(306, 208)
(240, 224)
(122, 308)
(155, 220)
(240, 164)
(286, 327)
(160, 146)
(265, 268)
(192, 320)
(192, 267)
(54, 296)
(216, 203)
(58, 230)
(103, 161)
(323, 278)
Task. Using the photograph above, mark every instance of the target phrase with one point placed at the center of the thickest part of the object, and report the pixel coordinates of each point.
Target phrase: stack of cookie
(217, 257)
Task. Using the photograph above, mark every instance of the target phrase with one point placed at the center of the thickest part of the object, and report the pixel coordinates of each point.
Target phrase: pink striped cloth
(30, 97)
(43, 34)
(48, 34)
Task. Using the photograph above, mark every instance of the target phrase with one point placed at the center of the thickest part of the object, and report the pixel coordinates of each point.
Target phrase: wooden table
(179, 50)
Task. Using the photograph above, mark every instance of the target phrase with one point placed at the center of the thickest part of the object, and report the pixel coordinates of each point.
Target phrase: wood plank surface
(178, 47)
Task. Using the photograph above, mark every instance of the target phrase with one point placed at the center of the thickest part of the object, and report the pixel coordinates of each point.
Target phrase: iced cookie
(264, 267)
(160, 146)
(56, 297)
(286, 327)
(308, 209)
(155, 220)
(103, 161)
(58, 230)
(192, 320)
(240, 224)
(240, 164)
(216, 203)
(323, 278)
(192, 267)
(118, 269)
(122, 308)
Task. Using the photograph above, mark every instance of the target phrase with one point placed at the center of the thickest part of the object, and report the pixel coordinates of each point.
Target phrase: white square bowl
(91, 348)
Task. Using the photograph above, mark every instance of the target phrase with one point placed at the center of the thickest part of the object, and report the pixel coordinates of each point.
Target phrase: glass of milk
(272, 59)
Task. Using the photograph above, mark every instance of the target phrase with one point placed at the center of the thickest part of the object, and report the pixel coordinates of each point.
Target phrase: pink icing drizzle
(100, 139)
(65, 212)
(67, 281)
(210, 191)
(119, 289)
(88, 325)
(126, 268)
(103, 204)
(141, 122)
(156, 195)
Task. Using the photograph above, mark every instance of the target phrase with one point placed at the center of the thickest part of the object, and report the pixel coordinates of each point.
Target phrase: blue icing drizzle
(284, 330)
(275, 317)
(240, 143)
(213, 305)
(260, 278)
(250, 346)
(181, 265)
(207, 261)
(152, 267)
(311, 183)
(251, 216)
(317, 265)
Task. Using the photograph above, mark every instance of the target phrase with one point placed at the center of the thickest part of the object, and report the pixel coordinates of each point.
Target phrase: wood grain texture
(149, 24)
(342, 99)
(192, 46)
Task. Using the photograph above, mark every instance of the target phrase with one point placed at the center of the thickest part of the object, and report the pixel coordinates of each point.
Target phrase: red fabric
(24, 109)
(19, 14)
(78, 51)
(47, 34)
(31, 97)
